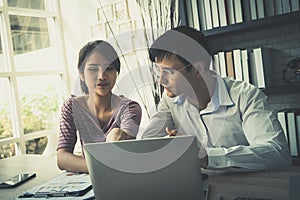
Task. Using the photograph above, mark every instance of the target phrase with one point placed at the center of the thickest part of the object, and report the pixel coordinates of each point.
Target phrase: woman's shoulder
(74, 99)
(126, 100)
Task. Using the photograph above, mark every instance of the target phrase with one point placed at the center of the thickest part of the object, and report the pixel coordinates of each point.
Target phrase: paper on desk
(67, 182)
(86, 196)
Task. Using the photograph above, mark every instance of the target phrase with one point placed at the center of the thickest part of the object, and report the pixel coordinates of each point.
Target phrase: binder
(229, 65)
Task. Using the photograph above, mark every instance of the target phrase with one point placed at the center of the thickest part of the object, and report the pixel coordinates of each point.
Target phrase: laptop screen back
(160, 168)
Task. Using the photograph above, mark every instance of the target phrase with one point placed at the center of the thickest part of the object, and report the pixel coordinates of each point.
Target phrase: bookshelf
(258, 24)
(238, 29)
(253, 25)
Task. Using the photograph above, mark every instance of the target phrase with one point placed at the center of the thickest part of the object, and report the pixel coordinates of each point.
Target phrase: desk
(268, 185)
(265, 185)
(44, 166)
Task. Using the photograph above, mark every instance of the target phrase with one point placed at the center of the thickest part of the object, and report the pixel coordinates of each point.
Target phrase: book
(260, 8)
(297, 120)
(222, 62)
(215, 13)
(229, 64)
(253, 11)
(282, 118)
(286, 7)
(201, 10)
(238, 11)
(189, 12)
(292, 132)
(278, 7)
(252, 69)
(194, 9)
(230, 12)
(294, 5)
(263, 66)
(222, 13)
(269, 8)
(216, 64)
(237, 60)
(182, 13)
(208, 17)
(245, 65)
(246, 10)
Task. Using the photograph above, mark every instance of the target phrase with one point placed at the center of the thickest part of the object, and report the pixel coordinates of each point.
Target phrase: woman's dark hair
(105, 49)
(187, 44)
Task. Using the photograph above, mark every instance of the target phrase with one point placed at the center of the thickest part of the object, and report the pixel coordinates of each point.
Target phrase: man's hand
(203, 157)
(171, 132)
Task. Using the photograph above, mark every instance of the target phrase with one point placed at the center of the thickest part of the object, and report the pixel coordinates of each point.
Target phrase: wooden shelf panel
(286, 89)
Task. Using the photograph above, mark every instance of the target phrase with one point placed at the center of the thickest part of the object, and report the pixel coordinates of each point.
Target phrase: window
(32, 78)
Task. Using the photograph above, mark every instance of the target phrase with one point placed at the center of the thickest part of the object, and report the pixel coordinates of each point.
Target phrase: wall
(285, 39)
(77, 16)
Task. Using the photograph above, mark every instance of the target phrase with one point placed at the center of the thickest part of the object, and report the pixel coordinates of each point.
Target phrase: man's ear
(200, 66)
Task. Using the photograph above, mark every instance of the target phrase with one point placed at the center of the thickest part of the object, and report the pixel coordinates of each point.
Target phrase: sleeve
(131, 118)
(159, 121)
(267, 149)
(67, 130)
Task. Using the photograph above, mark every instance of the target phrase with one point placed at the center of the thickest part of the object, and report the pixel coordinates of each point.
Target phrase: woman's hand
(117, 134)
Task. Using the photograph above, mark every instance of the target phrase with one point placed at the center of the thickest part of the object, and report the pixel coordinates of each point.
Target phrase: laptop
(148, 169)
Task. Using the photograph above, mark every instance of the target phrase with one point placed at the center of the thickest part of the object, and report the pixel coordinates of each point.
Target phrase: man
(231, 120)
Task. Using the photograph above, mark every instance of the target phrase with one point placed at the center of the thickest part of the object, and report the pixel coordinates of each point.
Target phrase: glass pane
(29, 33)
(1, 51)
(33, 4)
(40, 99)
(6, 127)
(7, 150)
(36, 146)
(31, 42)
(3, 65)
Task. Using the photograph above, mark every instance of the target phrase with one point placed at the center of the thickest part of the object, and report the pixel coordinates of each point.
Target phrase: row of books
(290, 122)
(251, 65)
(218, 13)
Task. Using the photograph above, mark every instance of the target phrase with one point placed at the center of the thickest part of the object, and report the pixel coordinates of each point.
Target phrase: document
(67, 185)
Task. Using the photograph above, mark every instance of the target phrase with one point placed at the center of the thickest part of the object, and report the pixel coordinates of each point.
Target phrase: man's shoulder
(242, 89)
(237, 85)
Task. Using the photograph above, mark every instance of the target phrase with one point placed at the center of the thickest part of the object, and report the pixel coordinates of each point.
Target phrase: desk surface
(262, 185)
(267, 185)
(44, 166)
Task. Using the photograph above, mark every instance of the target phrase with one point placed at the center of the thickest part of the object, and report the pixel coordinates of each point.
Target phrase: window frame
(19, 137)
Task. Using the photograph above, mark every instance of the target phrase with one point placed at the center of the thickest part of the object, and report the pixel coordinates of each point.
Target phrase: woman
(99, 115)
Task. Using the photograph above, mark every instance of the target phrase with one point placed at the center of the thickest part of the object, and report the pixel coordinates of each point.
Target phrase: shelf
(254, 24)
(296, 161)
(286, 89)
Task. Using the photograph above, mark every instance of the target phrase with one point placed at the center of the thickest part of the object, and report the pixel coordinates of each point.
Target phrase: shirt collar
(223, 93)
(179, 99)
(220, 96)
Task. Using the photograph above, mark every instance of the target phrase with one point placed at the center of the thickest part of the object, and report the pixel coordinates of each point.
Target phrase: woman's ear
(82, 77)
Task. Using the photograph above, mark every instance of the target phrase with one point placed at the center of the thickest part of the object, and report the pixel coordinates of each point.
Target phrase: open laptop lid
(157, 168)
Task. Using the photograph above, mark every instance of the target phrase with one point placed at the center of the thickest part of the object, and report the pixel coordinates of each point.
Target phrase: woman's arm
(117, 134)
(66, 160)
